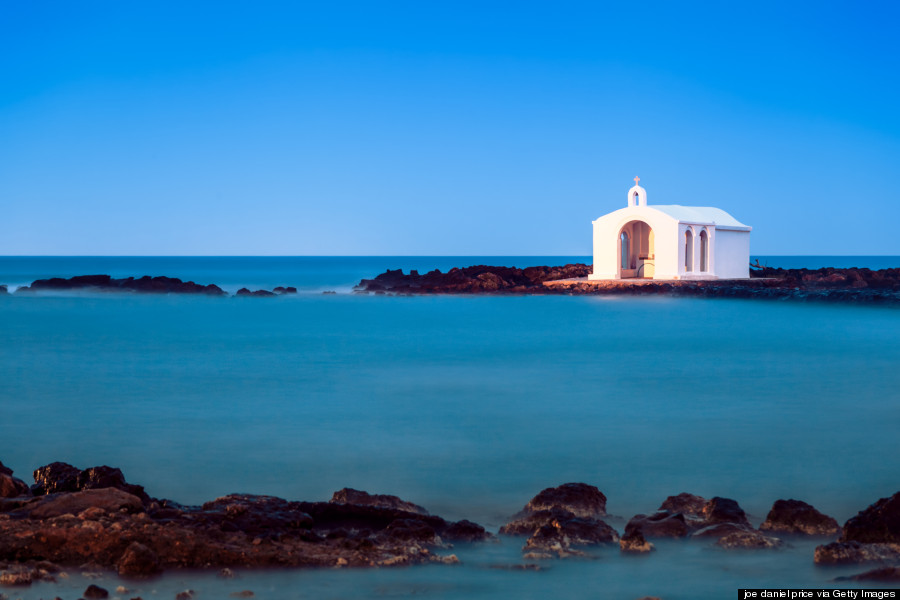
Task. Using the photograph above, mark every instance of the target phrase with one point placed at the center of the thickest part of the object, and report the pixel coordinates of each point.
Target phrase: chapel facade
(670, 241)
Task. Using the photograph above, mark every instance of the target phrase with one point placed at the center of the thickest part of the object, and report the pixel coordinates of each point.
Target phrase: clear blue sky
(429, 127)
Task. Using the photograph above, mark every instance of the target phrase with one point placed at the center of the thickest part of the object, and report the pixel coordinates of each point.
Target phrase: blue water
(468, 405)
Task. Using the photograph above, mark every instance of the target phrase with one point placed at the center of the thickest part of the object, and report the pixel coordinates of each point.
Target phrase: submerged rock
(748, 540)
(138, 561)
(659, 525)
(796, 517)
(261, 293)
(634, 543)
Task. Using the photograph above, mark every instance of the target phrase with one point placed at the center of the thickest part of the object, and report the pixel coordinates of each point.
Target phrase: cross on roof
(636, 180)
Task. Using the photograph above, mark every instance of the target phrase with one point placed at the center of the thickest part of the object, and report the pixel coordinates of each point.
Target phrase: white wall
(732, 250)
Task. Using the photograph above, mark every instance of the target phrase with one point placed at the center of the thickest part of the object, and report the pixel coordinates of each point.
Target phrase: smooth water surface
(468, 405)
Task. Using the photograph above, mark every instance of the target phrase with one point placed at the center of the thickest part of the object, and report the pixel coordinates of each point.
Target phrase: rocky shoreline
(852, 285)
(94, 518)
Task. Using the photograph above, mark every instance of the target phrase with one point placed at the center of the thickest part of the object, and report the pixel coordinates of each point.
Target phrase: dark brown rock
(883, 574)
(879, 523)
(138, 561)
(258, 516)
(95, 592)
(748, 540)
(720, 530)
(12, 487)
(107, 499)
(465, 531)
(410, 530)
(845, 553)
(723, 510)
(796, 517)
(351, 496)
(687, 504)
(258, 293)
(55, 477)
(561, 536)
(658, 525)
(105, 283)
(580, 499)
(634, 543)
(528, 523)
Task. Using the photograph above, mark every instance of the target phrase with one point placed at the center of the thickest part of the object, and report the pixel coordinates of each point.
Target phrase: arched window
(625, 249)
(688, 251)
(704, 251)
(636, 197)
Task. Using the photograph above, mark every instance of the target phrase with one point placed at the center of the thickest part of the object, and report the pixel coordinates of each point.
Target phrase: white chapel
(669, 241)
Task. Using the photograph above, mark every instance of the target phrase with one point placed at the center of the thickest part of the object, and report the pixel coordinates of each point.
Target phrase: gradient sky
(441, 128)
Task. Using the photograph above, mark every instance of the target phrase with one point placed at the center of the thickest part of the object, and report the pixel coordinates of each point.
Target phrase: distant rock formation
(105, 283)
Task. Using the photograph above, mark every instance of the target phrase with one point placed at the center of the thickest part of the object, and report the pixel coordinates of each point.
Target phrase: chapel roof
(700, 214)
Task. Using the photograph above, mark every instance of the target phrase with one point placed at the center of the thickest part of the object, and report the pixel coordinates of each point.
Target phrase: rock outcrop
(686, 515)
(106, 283)
(879, 523)
(93, 515)
(799, 518)
(351, 496)
(561, 518)
(873, 535)
(62, 477)
(828, 284)
(474, 279)
(11, 487)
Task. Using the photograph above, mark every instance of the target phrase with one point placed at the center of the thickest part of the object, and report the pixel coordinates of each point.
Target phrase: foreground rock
(562, 518)
(873, 535)
(799, 518)
(105, 283)
(71, 521)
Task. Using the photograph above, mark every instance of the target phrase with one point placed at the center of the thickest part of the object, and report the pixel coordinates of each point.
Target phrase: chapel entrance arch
(636, 251)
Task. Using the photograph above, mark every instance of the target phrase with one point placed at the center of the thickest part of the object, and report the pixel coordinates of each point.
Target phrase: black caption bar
(816, 593)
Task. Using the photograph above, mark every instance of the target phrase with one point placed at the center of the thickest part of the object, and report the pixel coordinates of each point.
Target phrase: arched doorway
(688, 251)
(704, 251)
(636, 251)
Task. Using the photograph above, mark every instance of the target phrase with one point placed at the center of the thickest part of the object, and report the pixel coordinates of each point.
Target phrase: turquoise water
(468, 405)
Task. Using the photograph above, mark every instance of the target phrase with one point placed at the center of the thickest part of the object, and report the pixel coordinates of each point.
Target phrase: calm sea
(468, 405)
